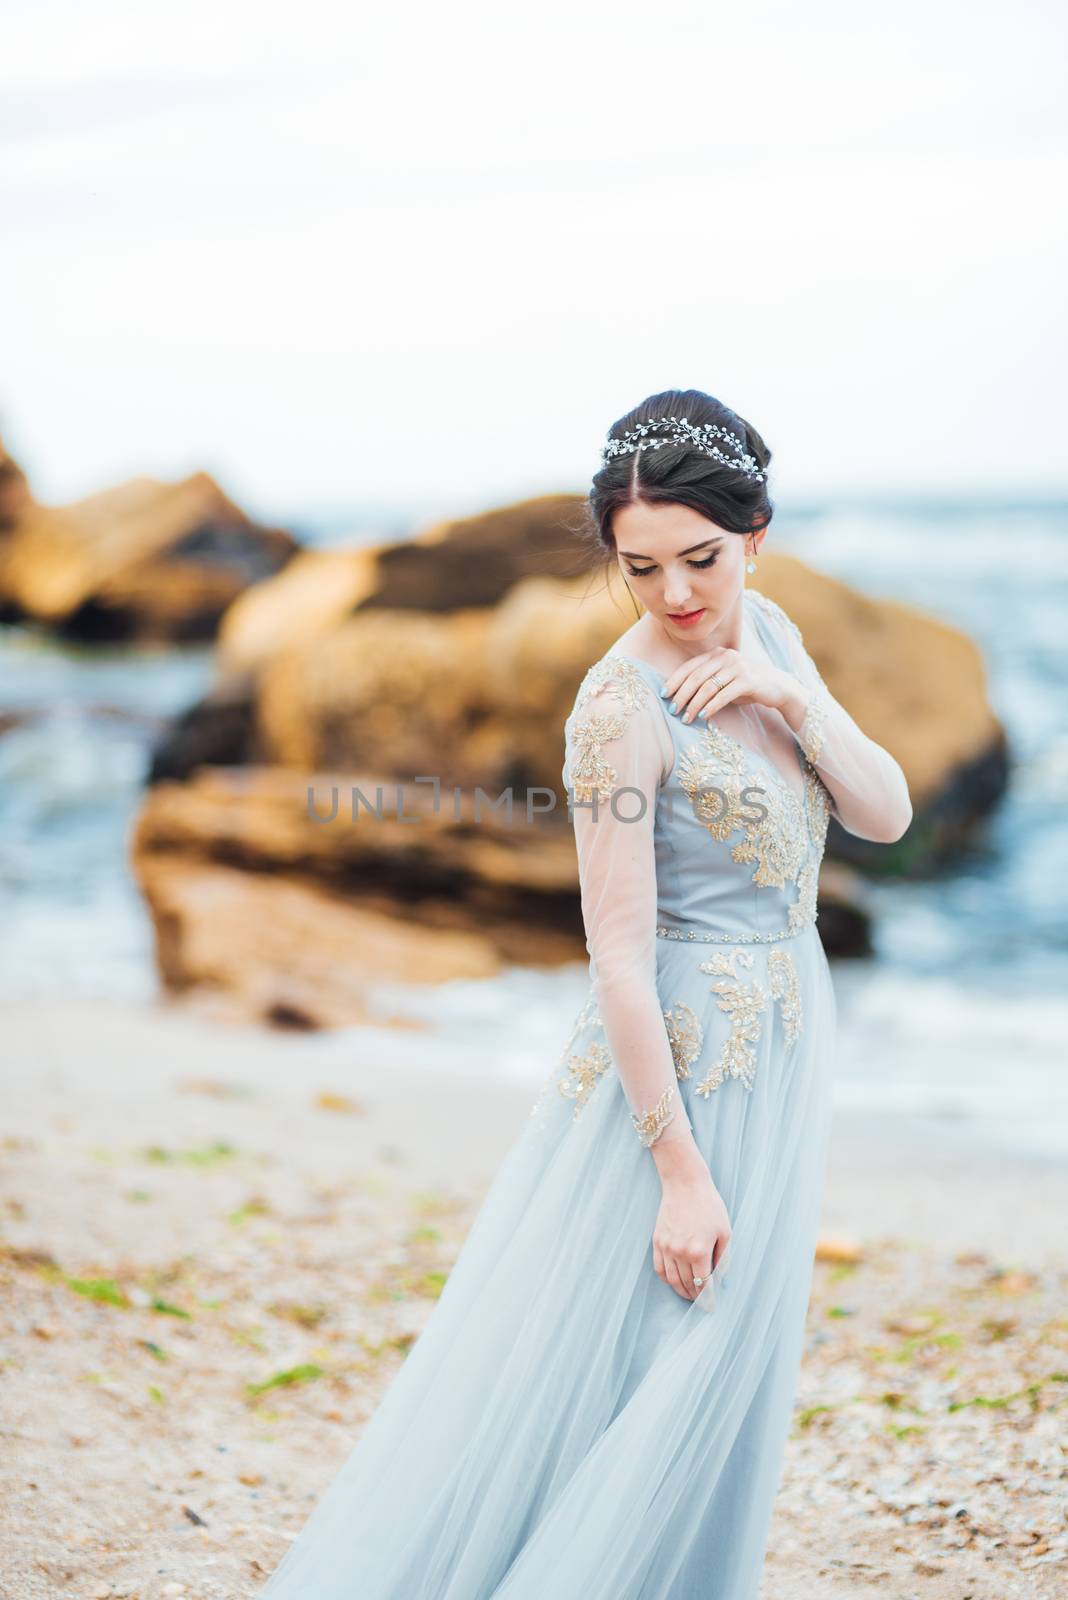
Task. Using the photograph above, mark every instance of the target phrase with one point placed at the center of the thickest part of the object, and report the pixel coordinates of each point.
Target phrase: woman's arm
(618, 743)
(617, 751)
(868, 788)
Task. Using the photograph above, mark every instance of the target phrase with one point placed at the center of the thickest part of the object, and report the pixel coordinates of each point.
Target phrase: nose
(677, 595)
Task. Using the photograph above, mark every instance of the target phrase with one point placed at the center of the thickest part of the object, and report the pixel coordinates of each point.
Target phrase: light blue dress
(568, 1426)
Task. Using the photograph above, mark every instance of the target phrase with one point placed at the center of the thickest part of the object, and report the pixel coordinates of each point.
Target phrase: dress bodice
(707, 833)
(737, 843)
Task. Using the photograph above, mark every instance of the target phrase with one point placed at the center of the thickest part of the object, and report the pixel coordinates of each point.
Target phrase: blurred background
(316, 321)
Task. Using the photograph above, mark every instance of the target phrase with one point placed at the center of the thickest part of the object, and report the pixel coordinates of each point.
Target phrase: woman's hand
(694, 693)
(692, 1228)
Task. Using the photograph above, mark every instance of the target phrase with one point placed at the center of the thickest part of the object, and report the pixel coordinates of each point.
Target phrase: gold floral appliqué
(713, 772)
(582, 1073)
(588, 771)
(785, 988)
(650, 1126)
(685, 1036)
(817, 809)
(810, 734)
(745, 1002)
(618, 673)
(579, 1071)
(803, 910)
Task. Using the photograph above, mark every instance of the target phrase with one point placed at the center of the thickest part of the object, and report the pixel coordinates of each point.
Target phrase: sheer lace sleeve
(869, 791)
(618, 752)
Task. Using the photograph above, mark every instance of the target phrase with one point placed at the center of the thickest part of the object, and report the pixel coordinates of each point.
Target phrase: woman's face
(684, 569)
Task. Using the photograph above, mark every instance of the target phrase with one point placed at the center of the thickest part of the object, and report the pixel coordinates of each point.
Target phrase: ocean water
(956, 1028)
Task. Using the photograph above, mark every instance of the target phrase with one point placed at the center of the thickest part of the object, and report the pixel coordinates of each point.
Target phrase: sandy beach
(219, 1242)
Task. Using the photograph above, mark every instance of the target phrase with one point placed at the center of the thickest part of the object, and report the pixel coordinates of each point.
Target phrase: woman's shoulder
(618, 723)
(617, 679)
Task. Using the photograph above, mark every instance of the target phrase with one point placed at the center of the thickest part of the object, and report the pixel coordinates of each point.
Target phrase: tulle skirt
(567, 1424)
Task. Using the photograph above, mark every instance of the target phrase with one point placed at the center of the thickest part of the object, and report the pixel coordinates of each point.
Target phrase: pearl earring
(750, 566)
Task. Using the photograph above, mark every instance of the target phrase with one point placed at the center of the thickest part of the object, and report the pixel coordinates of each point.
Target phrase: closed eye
(643, 572)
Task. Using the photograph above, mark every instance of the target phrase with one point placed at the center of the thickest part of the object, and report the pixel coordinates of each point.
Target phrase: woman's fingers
(697, 690)
(675, 1278)
(701, 1269)
(689, 1247)
(710, 698)
(680, 684)
(679, 697)
(681, 1274)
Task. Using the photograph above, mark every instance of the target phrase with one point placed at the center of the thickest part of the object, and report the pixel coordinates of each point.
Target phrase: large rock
(148, 560)
(477, 696)
(15, 502)
(15, 496)
(293, 920)
(399, 837)
(310, 596)
(474, 561)
(460, 565)
(286, 950)
(217, 731)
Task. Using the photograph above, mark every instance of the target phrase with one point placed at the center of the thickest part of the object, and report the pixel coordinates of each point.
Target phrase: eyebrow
(632, 557)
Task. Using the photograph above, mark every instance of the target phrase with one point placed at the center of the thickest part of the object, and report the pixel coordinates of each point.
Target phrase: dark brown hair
(731, 499)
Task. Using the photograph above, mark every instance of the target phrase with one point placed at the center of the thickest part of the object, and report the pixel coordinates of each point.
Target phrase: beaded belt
(704, 936)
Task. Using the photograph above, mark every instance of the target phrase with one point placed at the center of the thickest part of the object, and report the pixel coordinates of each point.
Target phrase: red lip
(684, 616)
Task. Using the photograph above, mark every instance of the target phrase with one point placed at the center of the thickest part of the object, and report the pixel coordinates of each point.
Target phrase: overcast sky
(425, 254)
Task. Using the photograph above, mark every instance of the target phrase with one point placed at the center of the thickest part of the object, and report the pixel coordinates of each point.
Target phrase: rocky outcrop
(15, 496)
(145, 561)
(15, 502)
(468, 564)
(310, 597)
(285, 951)
(218, 731)
(292, 898)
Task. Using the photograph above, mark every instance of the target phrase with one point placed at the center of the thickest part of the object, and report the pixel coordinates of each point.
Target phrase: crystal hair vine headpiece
(682, 431)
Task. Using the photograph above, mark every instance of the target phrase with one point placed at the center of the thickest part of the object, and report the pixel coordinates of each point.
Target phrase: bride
(597, 1408)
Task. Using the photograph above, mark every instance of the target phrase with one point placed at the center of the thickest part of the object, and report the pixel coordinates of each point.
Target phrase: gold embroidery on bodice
(589, 773)
(713, 772)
